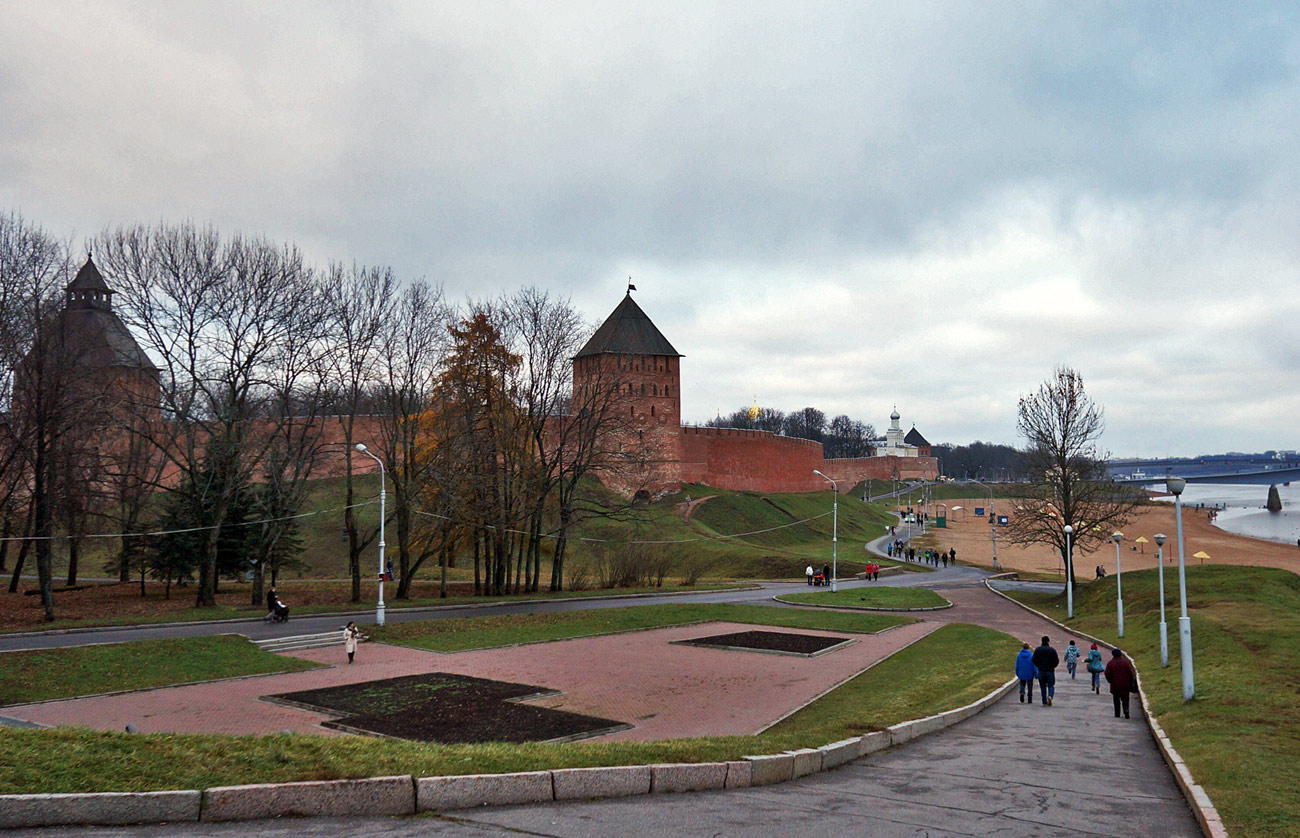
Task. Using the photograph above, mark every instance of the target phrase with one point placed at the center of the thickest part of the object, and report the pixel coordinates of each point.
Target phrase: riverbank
(970, 537)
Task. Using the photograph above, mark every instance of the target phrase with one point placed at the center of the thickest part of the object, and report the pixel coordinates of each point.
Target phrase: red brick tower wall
(648, 412)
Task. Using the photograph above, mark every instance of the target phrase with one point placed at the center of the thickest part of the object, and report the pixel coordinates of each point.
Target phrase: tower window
(652, 410)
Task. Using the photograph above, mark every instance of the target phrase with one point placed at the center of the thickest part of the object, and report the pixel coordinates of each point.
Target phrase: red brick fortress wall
(750, 461)
(883, 468)
(759, 461)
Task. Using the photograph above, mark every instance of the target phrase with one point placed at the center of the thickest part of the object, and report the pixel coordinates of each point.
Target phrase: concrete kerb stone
(739, 774)
(588, 783)
(1203, 808)
(469, 790)
(689, 776)
(871, 742)
(327, 798)
(806, 761)
(767, 769)
(838, 753)
(98, 809)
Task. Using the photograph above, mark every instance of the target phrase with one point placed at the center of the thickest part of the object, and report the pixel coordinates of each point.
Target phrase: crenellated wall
(759, 461)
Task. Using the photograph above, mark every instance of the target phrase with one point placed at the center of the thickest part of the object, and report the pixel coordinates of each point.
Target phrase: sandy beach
(971, 538)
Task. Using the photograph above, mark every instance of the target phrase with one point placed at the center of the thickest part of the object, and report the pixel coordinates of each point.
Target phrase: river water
(1243, 509)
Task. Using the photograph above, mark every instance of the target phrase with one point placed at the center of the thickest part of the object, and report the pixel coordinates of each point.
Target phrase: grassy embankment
(882, 597)
(699, 546)
(949, 668)
(1240, 736)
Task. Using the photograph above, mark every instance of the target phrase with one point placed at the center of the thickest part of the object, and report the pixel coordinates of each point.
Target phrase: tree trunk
(6, 530)
(43, 525)
(74, 555)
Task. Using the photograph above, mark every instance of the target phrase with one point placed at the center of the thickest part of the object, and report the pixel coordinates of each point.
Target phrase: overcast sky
(840, 204)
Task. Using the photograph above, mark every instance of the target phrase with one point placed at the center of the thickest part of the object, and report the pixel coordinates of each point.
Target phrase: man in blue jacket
(1045, 661)
(1025, 671)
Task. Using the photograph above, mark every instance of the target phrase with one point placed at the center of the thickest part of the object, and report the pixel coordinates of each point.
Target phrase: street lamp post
(835, 530)
(1069, 576)
(1119, 582)
(383, 496)
(1176, 486)
(1160, 539)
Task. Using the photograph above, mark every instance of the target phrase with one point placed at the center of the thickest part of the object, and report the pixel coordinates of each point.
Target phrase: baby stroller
(279, 614)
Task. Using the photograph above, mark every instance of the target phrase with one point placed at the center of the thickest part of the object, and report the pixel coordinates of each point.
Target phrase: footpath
(1013, 770)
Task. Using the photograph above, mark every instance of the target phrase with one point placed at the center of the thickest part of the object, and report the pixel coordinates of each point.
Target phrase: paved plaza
(1014, 770)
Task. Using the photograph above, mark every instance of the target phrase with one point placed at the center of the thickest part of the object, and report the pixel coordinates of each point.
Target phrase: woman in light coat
(1096, 667)
(350, 634)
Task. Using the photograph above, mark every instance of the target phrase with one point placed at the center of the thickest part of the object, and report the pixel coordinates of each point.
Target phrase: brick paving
(666, 690)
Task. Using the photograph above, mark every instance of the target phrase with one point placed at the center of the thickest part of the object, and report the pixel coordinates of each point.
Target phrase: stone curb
(329, 798)
(405, 795)
(103, 808)
(1198, 800)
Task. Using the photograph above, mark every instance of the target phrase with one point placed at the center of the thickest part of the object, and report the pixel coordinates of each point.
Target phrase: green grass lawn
(88, 670)
(947, 669)
(1240, 736)
(463, 633)
(878, 597)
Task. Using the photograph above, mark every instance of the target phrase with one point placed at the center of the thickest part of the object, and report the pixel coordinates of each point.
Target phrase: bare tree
(412, 344)
(219, 314)
(360, 303)
(1062, 426)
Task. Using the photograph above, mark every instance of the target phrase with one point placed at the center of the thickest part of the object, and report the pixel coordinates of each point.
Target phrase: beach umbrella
(1202, 555)
(1142, 539)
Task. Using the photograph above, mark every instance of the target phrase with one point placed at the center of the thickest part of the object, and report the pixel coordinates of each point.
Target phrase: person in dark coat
(1123, 680)
(1046, 660)
(826, 573)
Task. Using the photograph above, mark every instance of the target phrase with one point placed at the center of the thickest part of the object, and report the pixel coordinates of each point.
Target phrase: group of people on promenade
(899, 549)
(1041, 663)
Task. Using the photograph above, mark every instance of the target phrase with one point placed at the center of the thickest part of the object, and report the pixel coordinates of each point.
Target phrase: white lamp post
(1119, 582)
(835, 530)
(1176, 486)
(1069, 576)
(383, 495)
(1160, 539)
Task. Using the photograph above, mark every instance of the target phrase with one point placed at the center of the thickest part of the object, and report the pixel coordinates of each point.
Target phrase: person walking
(1025, 671)
(1072, 653)
(350, 634)
(1123, 680)
(808, 571)
(1046, 660)
(826, 574)
(1095, 667)
(952, 555)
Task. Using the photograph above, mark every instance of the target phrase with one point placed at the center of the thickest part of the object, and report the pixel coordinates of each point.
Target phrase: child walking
(1025, 671)
(1072, 653)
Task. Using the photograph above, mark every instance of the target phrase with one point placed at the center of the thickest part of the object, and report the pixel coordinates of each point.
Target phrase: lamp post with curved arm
(835, 529)
(383, 494)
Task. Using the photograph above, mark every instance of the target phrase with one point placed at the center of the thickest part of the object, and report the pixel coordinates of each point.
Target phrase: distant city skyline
(920, 204)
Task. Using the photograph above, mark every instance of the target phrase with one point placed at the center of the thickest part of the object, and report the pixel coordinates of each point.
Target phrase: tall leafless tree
(219, 314)
(1062, 427)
